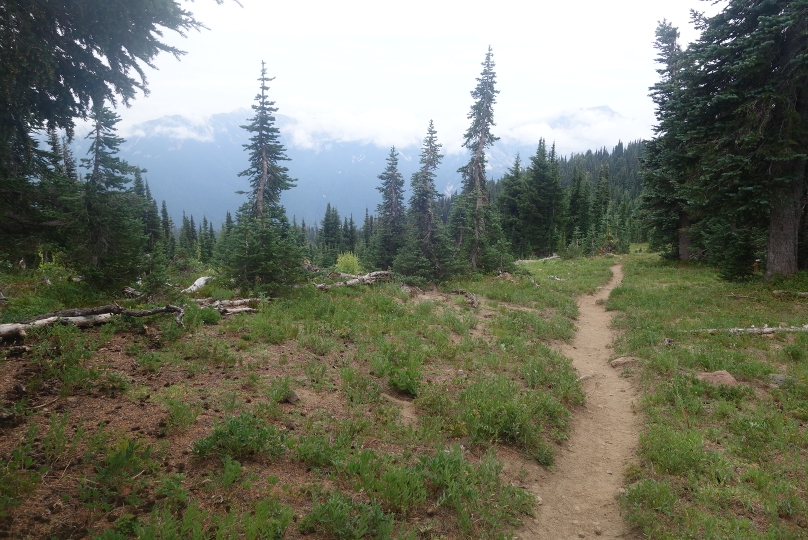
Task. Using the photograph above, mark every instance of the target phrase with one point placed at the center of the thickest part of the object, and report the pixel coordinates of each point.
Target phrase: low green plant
(400, 488)
(268, 519)
(550, 371)
(483, 504)
(206, 351)
(150, 361)
(195, 317)
(348, 263)
(279, 390)
(18, 475)
(340, 517)
(55, 442)
(113, 383)
(242, 436)
(493, 409)
(317, 449)
(61, 353)
(181, 416)
(358, 388)
(673, 451)
(231, 473)
(172, 488)
(120, 470)
(316, 373)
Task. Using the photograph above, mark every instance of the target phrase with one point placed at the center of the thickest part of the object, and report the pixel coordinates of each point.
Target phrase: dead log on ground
(198, 284)
(790, 293)
(367, 279)
(753, 330)
(229, 307)
(84, 317)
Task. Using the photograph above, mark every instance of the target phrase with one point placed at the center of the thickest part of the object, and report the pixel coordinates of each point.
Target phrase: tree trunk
(684, 236)
(784, 224)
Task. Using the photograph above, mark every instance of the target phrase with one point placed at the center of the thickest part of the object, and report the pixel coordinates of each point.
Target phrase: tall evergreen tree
(427, 250)
(600, 204)
(330, 242)
(667, 165)
(579, 205)
(267, 177)
(476, 232)
(741, 107)
(112, 239)
(390, 223)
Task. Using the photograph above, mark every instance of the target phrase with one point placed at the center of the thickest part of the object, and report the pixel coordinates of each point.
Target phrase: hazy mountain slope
(194, 166)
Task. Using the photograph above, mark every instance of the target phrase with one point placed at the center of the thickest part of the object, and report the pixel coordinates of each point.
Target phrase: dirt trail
(579, 498)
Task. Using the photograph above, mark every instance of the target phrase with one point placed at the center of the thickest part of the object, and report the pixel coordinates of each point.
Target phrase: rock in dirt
(778, 379)
(718, 378)
(622, 361)
(292, 397)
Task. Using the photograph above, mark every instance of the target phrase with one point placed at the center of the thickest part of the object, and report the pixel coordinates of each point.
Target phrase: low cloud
(572, 130)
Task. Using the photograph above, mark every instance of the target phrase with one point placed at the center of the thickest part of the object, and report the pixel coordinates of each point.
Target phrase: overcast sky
(378, 71)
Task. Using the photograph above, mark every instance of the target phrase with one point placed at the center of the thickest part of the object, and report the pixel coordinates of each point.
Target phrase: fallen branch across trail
(84, 317)
(367, 279)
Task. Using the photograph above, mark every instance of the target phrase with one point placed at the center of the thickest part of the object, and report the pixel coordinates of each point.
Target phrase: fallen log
(198, 284)
(790, 293)
(753, 330)
(84, 317)
(229, 307)
(367, 279)
(132, 293)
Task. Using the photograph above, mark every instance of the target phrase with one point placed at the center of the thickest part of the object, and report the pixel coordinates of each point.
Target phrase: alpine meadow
(502, 335)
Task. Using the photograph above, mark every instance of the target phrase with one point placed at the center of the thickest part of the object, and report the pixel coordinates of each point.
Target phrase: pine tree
(579, 205)
(167, 227)
(475, 229)
(388, 235)
(330, 242)
(602, 200)
(267, 177)
(112, 239)
(427, 250)
(666, 163)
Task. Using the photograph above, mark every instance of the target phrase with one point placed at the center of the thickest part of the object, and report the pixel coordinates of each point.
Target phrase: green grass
(715, 462)
(477, 380)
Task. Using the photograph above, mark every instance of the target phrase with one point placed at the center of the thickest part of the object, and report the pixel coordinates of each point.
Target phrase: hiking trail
(579, 496)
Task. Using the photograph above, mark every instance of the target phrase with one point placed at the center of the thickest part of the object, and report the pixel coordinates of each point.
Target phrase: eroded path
(580, 497)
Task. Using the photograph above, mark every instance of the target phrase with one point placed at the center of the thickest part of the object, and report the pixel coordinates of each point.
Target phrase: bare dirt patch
(579, 498)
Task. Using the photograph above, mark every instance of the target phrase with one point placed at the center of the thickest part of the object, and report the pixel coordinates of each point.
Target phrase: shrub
(348, 263)
(340, 517)
(242, 436)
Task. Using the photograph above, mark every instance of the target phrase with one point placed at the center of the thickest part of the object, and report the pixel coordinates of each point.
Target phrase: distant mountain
(194, 166)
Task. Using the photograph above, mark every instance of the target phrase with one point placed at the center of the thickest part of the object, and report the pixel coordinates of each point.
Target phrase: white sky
(378, 71)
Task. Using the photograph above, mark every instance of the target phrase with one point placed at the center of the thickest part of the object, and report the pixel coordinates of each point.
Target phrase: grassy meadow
(715, 461)
(367, 412)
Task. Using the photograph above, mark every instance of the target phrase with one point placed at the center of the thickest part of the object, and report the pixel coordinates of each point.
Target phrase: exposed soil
(579, 499)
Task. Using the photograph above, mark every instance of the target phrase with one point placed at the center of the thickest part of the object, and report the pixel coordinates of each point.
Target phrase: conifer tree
(330, 242)
(167, 227)
(427, 250)
(579, 205)
(475, 229)
(267, 177)
(112, 239)
(600, 205)
(391, 219)
(664, 199)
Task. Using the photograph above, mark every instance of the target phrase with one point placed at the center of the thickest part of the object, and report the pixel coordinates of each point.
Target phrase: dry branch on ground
(367, 279)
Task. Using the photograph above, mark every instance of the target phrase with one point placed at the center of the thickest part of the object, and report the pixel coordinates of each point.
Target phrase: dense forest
(722, 181)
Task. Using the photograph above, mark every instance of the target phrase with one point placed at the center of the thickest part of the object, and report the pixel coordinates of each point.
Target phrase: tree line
(723, 179)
